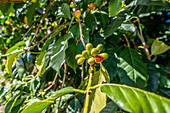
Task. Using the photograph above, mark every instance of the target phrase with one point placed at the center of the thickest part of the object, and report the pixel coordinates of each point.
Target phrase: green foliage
(40, 39)
(137, 101)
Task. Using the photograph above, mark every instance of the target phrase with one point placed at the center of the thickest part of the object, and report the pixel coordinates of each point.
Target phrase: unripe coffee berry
(91, 61)
(94, 52)
(89, 47)
(85, 54)
(80, 61)
(99, 48)
(78, 56)
(105, 55)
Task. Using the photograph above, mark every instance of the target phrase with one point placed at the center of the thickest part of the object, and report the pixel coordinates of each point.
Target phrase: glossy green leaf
(111, 107)
(154, 75)
(58, 52)
(40, 63)
(10, 60)
(71, 52)
(76, 32)
(138, 7)
(136, 100)
(97, 98)
(132, 70)
(74, 106)
(30, 12)
(114, 7)
(65, 9)
(102, 18)
(159, 47)
(64, 91)
(111, 28)
(90, 21)
(37, 107)
(111, 62)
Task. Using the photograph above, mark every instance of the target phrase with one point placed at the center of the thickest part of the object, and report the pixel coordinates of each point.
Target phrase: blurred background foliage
(117, 24)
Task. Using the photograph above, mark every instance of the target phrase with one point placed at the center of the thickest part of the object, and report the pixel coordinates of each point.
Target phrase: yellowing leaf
(33, 1)
(10, 61)
(158, 47)
(25, 20)
(97, 98)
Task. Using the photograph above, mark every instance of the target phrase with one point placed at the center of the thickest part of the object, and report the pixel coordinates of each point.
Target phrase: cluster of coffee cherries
(92, 55)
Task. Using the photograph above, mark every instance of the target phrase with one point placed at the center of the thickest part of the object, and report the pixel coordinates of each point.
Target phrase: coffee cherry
(98, 58)
(85, 54)
(80, 61)
(94, 52)
(147, 46)
(92, 5)
(89, 47)
(78, 56)
(99, 48)
(105, 55)
(78, 14)
(91, 61)
(49, 83)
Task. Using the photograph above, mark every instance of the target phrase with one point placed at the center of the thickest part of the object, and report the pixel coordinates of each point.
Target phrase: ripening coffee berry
(78, 56)
(105, 55)
(147, 46)
(99, 48)
(80, 61)
(89, 47)
(94, 52)
(85, 54)
(49, 83)
(92, 5)
(88, 10)
(91, 61)
(98, 58)
(78, 14)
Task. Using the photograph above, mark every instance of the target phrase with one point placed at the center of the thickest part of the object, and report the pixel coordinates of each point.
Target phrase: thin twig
(82, 73)
(46, 36)
(140, 35)
(52, 82)
(65, 74)
(81, 34)
(49, 6)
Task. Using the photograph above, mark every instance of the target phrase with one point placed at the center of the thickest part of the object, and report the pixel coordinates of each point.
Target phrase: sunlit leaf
(158, 47)
(132, 70)
(40, 63)
(10, 60)
(114, 7)
(136, 100)
(37, 107)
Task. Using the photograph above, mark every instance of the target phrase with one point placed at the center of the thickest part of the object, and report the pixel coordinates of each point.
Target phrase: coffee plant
(84, 56)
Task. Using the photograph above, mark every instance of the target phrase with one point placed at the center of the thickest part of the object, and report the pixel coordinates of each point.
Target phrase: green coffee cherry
(80, 61)
(85, 54)
(99, 48)
(91, 61)
(94, 52)
(89, 47)
(105, 55)
(78, 56)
